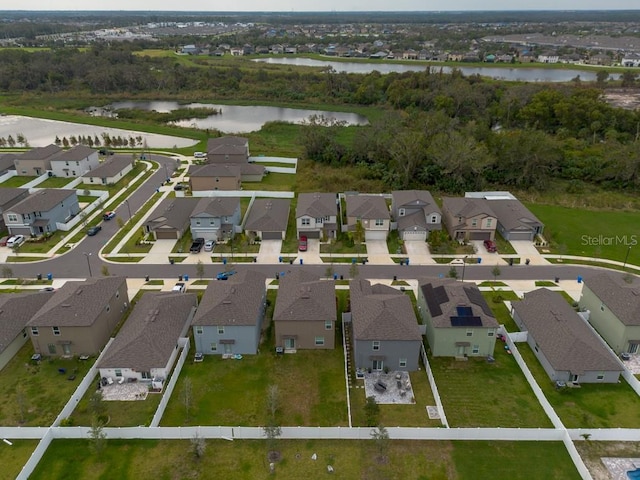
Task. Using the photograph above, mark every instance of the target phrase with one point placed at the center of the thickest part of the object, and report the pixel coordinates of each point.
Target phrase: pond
(41, 132)
(239, 119)
(532, 74)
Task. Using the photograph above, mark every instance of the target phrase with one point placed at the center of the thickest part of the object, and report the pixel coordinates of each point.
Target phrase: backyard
(13, 457)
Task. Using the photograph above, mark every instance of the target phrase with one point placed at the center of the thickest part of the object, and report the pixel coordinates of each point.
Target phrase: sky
(325, 6)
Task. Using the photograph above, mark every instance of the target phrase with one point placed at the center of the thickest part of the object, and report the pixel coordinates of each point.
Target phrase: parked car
(199, 155)
(180, 186)
(108, 215)
(15, 241)
(225, 275)
(3, 241)
(302, 244)
(197, 245)
(93, 230)
(179, 287)
(208, 246)
(490, 245)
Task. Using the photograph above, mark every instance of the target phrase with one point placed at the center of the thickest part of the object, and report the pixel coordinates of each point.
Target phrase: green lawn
(56, 182)
(33, 395)
(13, 458)
(136, 216)
(42, 244)
(281, 182)
(246, 459)
(16, 181)
(495, 299)
(590, 406)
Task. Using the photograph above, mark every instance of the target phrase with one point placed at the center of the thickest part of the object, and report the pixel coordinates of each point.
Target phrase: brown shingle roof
(564, 338)
(237, 301)
(42, 200)
(16, 309)
(268, 215)
(77, 304)
(216, 206)
(150, 334)
(214, 170)
(368, 207)
(380, 312)
(8, 194)
(467, 207)
(7, 162)
(40, 153)
(402, 198)
(623, 299)
(317, 205)
(513, 215)
(228, 146)
(172, 213)
(79, 152)
(110, 167)
(304, 297)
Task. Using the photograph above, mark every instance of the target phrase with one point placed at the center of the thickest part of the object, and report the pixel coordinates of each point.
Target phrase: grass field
(12, 458)
(241, 460)
(56, 182)
(16, 181)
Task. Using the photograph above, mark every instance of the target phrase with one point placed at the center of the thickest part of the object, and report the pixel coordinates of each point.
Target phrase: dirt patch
(623, 98)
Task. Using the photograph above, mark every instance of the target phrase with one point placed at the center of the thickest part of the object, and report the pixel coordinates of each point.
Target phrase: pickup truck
(197, 245)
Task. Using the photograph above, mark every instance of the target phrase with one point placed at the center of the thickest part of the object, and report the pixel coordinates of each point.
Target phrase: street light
(88, 262)
(464, 266)
(128, 207)
(626, 257)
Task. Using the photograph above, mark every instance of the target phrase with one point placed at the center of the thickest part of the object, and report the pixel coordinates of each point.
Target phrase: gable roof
(229, 145)
(317, 205)
(42, 200)
(172, 213)
(416, 199)
(380, 312)
(268, 215)
(237, 301)
(7, 161)
(78, 304)
(214, 170)
(16, 309)
(368, 207)
(40, 153)
(79, 152)
(9, 194)
(304, 297)
(513, 215)
(623, 299)
(216, 206)
(150, 334)
(467, 207)
(110, 167)
(453, 304)
(564, 338)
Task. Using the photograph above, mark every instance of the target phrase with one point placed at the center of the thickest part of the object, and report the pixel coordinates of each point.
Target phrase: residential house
(317, 215)
(7, 162)
(469, 218)
(305, 313)
(109, 172)
(36, 161)
(614, 310)
(631, 60)
(213, 176)
(515, 221)
(171, 218)
(416, 214)
(230, 316)
(372, 212)
(80, 317)
(600, 59)
(8, 198)
(385, 329)
(146, 347)
(74, 162)
(458, 320)
(39, 212)
(567, 348)
(548, 58)
(268, 218)
(228, 149)
(215, 218)
(16, 309)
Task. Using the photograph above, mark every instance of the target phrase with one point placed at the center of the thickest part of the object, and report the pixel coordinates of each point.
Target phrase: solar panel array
(474, 296)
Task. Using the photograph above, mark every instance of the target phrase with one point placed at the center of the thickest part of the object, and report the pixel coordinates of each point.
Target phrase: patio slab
(618, 467)
(392, 394)
(126, 392)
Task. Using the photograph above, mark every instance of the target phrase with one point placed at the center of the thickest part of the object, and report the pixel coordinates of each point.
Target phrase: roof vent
(79, 291)
(66, 305)
(226, 301)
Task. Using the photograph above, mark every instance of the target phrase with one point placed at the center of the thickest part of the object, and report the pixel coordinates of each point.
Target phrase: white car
(208, 246)
(199, 155)
(15, 241)
(179, 287)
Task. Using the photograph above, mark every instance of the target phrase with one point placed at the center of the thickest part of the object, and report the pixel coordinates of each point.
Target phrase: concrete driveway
(418, 253)
(526, 249)
(269, 251)
(312, 255)
(378, 253)
(160, 252)
(488, 258)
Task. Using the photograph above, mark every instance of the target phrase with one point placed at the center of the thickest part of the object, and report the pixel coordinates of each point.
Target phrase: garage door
(521, 236)
(310, 234)
(375, 235)
(166, 234)
(271, 235)
(480, 236)
(414, 236)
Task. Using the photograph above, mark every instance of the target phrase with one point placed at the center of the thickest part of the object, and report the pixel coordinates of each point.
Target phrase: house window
(56, 330)
(402, 362)
(77, 163)
(474, 222)
(379, 222)
(375, 345)
(319, 341)
(12, 217)
(199, 330)
(118, 372)
(602, 307)
(489, 222)
(145, 375)
(220, 330)
(476, 349)
(490, 332)
(108, 308)
(24, 333)
(214, 347)
(600, 376)
(306, 221)
(66, 163)
(117, 294)
(34, 331)
(469, 332)
(217, 180)
(328, 325)
(73, 172)
(319, 220)
(197, 222)
(52, 349)
(536, 348)
(91, 180)
(434, 219)
(401, 212)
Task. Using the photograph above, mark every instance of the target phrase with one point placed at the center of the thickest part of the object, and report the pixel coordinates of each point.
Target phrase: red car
(490, 246)
(302, 244)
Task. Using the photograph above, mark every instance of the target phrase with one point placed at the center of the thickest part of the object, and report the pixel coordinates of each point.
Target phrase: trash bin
(557, 279)
(277, 276)
(49, 276)
(335, 276)
(172, 261)
(479, 260)
(353, 261)
(186, 278)
(279, 259)
(395, 278)
(255, 259)
(179, 278)
(579, 279)
(406, 260)
(341, 277)
(527, 261)
(291, 262)
(301, 262)
(224, 261)
(401, 261)
(146, 278)
(39, 277)
(511, 262)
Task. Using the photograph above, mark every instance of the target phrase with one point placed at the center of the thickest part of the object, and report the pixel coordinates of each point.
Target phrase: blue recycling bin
(579, 279)
(279, 259)
(440, 275)
(282, 274)
(186, 278)
(353, 261)
(301, 261)
(407, 261)
(335, 276)
(49, 276)
(224, 261)
(479, 260)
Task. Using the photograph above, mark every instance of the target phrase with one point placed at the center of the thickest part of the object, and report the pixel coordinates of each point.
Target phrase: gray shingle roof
(214, 170)
(237, 301)
(563, 337)
(513, 215)
(16, 309)
(79, 152)
(42, 200)
(623, 299)
(368, 207)
(380, 312)
(216, 206)
(7, 162)
(269, 215)
(467, 207)
(317, 205)
(40, 153)
(229, 145)
(412, 198)
(77, 304)
(150, 334)
(110, 167)
(172, 213)
(304, 297)
(8, 194)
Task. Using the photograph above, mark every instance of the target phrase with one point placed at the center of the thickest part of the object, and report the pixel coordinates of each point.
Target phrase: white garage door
(414, 236)
(272, 235)
(375, 235)
(521, 236)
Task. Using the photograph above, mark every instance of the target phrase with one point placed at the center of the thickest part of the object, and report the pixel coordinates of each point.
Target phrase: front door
(289, 343)
(227, 348)
(574, 378)
(633, 348)
(377, 365)
(66, 348)
(461, 350)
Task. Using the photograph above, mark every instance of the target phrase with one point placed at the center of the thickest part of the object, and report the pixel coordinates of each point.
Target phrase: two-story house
(38, 213)
(372, 212)
(171, 218)
(214, 177)
(469, 218)
(317, 215)
(7, 162)
(268, 218)
(228, 149)
(74, 162)
(215, 218)
(36, 161)
(8, 198)
(110, 171)
(416, 214)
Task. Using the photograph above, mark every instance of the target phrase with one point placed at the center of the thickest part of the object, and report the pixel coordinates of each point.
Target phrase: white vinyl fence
(434, 387)
(168, 390)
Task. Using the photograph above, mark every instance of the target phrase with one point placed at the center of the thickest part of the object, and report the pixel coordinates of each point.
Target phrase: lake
(239, 119)
(520, 74)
